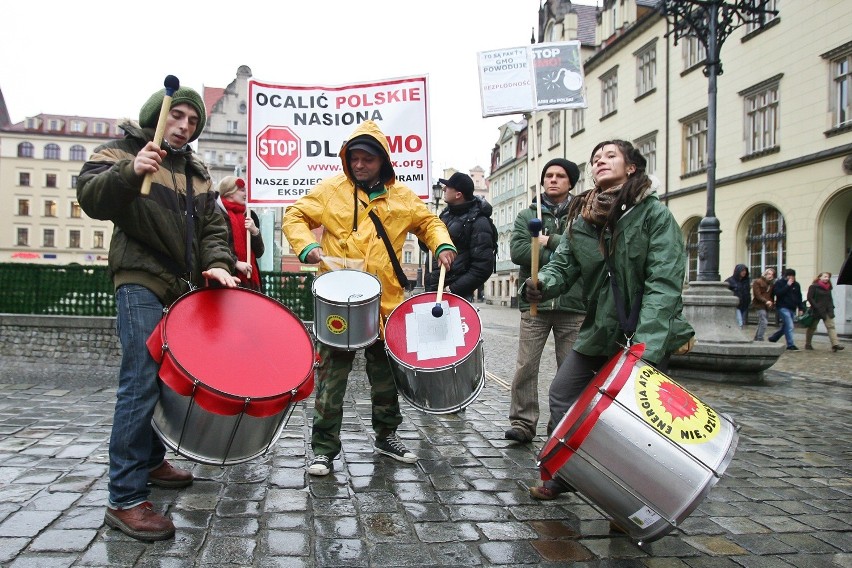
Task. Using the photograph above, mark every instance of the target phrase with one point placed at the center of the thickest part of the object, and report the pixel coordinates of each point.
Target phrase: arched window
(766, 240)
(692, 251)
(78, 153)
(25, 150)
(51, 152)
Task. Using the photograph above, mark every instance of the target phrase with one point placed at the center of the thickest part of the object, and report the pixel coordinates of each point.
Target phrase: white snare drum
(640, 447)
(438, 363)
(346, 309)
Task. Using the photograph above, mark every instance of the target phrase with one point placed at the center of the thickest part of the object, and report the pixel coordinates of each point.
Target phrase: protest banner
(295, 133)
(543, 76)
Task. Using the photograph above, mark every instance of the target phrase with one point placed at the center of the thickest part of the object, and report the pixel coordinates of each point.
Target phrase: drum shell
(647, 482)
(441, 388)
(224, 395)
(205, 437)
(361, 315)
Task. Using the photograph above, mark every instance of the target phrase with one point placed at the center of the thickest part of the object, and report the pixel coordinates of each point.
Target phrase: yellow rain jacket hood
(349, 238)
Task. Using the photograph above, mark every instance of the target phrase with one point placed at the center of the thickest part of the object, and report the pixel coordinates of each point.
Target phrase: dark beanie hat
(149, 114)
(460, 182)
(570, 168)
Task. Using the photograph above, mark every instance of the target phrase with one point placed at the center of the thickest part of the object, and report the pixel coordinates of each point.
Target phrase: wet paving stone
(784, 501)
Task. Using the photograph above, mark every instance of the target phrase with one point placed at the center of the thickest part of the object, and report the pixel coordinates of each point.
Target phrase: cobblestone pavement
(785, 500)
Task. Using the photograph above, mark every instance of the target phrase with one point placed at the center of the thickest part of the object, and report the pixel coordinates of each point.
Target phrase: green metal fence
(87, 290)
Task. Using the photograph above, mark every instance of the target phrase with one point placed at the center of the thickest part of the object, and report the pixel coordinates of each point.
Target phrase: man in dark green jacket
(162, 244)
(562, 315)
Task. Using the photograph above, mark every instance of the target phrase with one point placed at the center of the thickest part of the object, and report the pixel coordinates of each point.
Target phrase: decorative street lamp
(437, 195)
(723, 353)
(711, 22)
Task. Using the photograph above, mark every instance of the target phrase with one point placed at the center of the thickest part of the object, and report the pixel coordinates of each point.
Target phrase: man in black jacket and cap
(468, 219)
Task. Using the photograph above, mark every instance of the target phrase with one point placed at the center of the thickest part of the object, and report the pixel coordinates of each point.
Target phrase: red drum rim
(223, 346)
(563, 442)
(395, 332)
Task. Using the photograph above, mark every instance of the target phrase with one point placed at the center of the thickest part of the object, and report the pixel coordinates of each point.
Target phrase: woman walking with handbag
(822, 308)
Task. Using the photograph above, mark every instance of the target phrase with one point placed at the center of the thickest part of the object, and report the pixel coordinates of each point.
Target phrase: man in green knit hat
(163, 244)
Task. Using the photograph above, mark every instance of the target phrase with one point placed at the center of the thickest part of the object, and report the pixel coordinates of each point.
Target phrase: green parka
(520, 247)
(149, 235)
(647, 251)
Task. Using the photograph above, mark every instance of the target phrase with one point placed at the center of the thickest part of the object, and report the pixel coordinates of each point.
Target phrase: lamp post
(711, 22)
(723, 353)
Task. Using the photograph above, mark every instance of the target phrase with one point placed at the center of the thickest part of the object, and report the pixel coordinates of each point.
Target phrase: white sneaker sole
(403, 459)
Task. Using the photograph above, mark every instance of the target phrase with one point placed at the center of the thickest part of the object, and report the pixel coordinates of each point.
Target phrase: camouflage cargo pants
(331, 379)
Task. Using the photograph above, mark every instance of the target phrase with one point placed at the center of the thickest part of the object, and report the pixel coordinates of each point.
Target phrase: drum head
(419, 340)
(238, 342)
(347, 286)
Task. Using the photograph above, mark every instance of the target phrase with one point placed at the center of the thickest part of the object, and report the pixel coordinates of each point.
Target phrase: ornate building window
(25, 150)
(609, 92)
(766, 240)
(692, 251)
(695, 143)
(78, 153)
(646, 69)
(51, 152)
(761, 116)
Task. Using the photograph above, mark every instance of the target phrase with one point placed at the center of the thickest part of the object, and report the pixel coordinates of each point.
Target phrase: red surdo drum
(233, 363)
(438, 362)
(640, 447)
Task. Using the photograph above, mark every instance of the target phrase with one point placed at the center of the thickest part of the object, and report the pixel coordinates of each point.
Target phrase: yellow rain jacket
(355, 243)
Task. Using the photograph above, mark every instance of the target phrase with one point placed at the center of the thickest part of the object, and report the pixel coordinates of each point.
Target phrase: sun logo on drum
(336, 324)
(676, 401)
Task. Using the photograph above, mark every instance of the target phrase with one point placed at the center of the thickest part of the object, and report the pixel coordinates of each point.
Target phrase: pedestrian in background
(468, 219)
(629, 250)
(232, 204)
(739, 284)
(822, 308)
(761, 290)
(163, 244)
(562, 315)
(788, 302)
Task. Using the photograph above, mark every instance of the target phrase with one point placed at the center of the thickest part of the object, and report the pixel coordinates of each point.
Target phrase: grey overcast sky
(104, 59)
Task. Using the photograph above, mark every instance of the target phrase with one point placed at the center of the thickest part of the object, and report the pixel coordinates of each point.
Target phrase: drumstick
(535, 229)
(248, 240)
(437, 309)
(171, 84)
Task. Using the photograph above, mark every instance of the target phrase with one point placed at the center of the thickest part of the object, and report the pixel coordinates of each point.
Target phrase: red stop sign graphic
(278, 147)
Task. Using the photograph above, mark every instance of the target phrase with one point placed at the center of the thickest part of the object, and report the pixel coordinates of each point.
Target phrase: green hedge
(75, 290)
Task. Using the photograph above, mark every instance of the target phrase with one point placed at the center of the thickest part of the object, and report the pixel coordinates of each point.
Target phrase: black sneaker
(322, 465)
(792, 348)
(392, 446)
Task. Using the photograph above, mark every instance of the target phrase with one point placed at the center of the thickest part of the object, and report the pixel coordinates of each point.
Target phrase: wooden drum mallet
(171, 84)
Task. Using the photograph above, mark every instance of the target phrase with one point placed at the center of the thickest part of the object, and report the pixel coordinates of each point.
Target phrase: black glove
(532, 292)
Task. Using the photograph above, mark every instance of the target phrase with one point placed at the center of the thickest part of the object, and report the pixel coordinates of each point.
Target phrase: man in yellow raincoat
(341, 205)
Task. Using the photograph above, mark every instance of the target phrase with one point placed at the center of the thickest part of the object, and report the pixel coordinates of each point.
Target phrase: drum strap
(628, 324)
(380, 229)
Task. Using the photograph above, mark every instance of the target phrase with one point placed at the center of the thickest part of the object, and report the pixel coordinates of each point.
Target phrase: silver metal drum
(640, 447)
(346, 309)
(438, 362)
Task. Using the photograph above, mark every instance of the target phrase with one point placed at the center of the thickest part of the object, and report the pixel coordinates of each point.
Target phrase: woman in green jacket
(620, 222)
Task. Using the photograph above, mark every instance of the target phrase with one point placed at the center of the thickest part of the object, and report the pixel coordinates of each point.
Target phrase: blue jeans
(742, 317)
(134, 448)
(786, 329)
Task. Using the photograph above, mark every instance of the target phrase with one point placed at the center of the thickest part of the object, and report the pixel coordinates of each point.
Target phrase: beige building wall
(65, 220)
(806, 175)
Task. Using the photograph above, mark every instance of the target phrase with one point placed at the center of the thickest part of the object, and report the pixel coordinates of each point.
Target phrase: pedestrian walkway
(785, 500)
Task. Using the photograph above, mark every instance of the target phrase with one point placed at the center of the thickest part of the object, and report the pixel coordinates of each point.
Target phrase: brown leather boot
(140, 522)
(169, 476)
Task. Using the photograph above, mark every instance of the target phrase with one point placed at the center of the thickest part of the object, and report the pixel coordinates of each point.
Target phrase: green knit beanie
(150, 111)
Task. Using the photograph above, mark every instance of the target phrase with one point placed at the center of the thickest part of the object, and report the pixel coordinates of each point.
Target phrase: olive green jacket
(149, 235)
(649, 260)
(520, 247)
